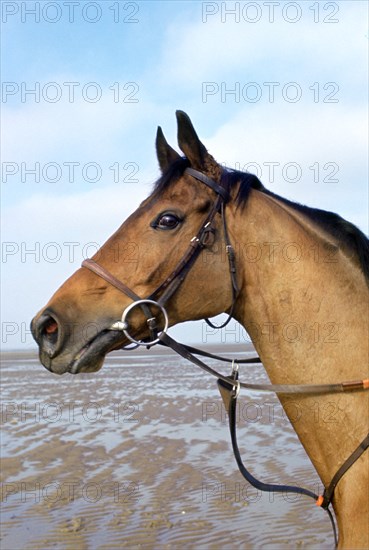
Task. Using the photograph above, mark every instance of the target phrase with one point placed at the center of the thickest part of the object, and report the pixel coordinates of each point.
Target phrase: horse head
(75, 330)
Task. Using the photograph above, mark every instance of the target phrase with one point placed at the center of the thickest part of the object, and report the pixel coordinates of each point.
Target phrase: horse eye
(166, 221)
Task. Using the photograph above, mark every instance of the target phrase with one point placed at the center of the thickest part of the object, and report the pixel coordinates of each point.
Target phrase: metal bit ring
(125, 323)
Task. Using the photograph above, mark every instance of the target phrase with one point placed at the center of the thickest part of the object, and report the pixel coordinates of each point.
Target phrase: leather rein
(229, 386)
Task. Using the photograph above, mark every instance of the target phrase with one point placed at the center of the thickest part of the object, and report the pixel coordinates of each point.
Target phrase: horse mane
(346, 234)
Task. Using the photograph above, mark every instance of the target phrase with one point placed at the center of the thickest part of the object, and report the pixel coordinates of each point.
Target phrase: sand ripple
(138, 456)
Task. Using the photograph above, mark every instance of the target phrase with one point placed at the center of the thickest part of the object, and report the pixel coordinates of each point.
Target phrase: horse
(210, 240)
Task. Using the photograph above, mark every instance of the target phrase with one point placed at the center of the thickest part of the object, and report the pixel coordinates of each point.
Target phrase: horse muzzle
(71, 347)
(68, 348)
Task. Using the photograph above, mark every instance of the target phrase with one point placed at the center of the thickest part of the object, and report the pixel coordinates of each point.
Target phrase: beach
(138, 455)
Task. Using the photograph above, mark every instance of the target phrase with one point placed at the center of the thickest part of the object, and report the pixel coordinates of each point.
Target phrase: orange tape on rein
(319, 500)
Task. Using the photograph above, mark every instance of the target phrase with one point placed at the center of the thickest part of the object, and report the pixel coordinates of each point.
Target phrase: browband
(209, 182)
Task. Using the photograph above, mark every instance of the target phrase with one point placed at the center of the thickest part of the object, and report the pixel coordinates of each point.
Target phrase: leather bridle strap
(196, 351)
(327, 496)
(209, 182)
(224, 194)
(166, 289)
(232, 271)
(109, 278)
(229, 397)
(178, 274)
(176, 278)
(185, 352)
(230, 403)
(204, 235)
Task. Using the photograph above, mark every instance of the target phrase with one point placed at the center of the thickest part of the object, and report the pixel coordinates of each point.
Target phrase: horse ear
(189, 142)
(165, 153)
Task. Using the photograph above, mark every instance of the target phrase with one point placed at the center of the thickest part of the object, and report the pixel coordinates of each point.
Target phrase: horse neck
(305, 305)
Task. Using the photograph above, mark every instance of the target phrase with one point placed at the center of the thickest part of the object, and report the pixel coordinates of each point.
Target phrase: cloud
(46, 130)
(185, 53)
(328, 147)
(208, 48)
(44, 241)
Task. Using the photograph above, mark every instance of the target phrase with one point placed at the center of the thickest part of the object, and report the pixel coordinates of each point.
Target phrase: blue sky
(219, 61)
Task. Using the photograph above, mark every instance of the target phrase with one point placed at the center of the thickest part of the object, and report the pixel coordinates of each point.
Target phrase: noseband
(229, 386)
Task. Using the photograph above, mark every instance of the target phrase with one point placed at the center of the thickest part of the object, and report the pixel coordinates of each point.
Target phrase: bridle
(204, 238)
(229, 386)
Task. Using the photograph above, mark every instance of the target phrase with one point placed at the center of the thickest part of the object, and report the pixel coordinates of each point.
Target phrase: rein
(229, 386)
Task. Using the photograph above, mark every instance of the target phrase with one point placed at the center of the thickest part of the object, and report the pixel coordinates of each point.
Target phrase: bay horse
(296, 278)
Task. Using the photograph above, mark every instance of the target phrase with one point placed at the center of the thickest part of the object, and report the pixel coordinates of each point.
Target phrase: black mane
(345, 233)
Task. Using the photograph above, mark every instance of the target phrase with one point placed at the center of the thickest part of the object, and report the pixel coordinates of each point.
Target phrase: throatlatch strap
(232, 271)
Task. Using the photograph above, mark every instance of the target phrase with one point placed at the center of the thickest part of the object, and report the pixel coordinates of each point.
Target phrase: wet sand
(138, 455)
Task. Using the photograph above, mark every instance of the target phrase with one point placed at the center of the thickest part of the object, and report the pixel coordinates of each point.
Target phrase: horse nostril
(51, 326)
(47, 333)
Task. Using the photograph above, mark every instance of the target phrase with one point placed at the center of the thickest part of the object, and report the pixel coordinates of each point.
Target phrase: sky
(277, 88)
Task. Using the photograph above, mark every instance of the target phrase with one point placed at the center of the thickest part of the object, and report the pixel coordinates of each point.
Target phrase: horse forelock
(170, 176)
